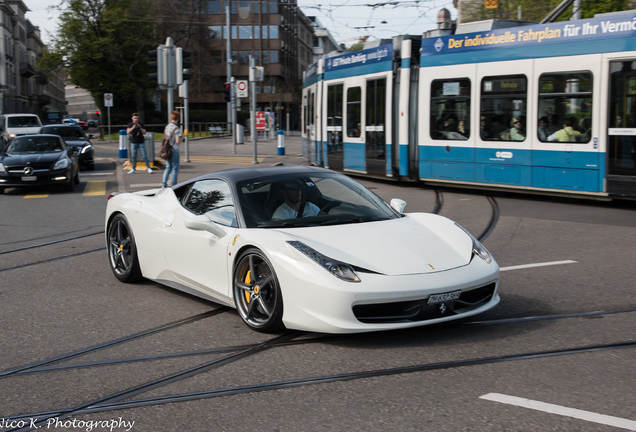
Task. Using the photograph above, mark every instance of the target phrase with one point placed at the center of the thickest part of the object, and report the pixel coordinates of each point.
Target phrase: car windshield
(314, 200)
(64, 131)
(34, 144)
(23, 121)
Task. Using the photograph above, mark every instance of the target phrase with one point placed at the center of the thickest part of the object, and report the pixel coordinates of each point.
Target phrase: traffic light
(97, 114)
(228, 92)
(182, 65)
(159, 65)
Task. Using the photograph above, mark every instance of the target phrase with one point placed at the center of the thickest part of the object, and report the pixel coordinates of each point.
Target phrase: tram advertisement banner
(595, 30)
(366, 61)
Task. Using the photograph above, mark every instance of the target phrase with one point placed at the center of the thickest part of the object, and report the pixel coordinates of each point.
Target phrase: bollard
(281, 142)
(123, 144)
(149, 144)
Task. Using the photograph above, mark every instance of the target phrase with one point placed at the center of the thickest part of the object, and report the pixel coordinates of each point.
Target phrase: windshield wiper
(356, 219)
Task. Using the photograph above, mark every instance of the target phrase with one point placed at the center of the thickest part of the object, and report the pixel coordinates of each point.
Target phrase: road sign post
(108, 102)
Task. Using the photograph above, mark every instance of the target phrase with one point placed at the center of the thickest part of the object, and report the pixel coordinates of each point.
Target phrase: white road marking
(561, 410)
(524, 266)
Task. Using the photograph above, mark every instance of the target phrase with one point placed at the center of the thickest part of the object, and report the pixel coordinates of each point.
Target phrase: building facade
(275, 33)
(22, 87)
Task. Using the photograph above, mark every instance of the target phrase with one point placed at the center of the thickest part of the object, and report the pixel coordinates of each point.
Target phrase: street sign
(260, 121)
(241, 88)
(108, 99)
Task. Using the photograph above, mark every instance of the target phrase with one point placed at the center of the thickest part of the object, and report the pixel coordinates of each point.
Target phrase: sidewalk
(204, 155)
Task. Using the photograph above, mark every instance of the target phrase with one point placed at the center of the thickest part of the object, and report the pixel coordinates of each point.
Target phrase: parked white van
(13, 125)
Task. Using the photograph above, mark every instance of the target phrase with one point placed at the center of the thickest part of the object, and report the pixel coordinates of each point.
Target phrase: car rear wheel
(257, 293)
(122, 251)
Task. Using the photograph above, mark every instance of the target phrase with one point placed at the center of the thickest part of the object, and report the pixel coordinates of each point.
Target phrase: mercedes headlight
(61, 164)
(2, 169)
(337, 268)
(478, 248)
(86, 149)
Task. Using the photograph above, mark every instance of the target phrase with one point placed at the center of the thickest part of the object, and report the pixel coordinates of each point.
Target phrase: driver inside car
(294, 207)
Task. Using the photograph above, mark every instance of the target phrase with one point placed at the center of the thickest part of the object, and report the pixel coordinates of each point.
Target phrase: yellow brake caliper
(248, 280)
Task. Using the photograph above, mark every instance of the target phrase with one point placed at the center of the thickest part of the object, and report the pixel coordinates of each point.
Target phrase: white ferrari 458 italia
(303, 248)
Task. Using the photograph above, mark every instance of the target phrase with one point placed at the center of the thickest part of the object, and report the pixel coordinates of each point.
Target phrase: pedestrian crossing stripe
(226, 159)
(95, 188)
(91, 188)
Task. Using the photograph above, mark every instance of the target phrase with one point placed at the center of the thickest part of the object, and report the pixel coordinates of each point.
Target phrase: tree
(103, 45)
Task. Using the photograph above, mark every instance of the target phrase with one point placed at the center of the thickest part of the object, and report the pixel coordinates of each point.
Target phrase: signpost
(108, 102)
(241, 89)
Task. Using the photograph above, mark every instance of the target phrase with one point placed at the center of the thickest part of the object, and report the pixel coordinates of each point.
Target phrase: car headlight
(61, 164)
(337, 268)
(478, 248)
(2, 169)
(86, 149)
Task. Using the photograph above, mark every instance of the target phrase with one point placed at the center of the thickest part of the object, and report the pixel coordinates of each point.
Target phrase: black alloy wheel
(257, 293)
(122, 251)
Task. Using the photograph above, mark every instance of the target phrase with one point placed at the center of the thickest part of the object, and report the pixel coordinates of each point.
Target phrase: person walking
(137, 131)
(172, 164)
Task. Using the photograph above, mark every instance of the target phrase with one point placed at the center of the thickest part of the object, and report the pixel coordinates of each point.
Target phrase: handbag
(165, 151)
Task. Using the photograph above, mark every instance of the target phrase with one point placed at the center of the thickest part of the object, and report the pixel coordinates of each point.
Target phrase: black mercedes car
(38, 160)
(74, 135)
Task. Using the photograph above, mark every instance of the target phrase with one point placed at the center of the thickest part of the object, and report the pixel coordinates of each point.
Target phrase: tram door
(335, 158)
(375, 136)
(621, 140)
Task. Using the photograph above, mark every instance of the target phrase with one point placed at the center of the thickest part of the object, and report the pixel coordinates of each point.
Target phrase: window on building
(216, 32)
(273, 57)
(245, 32)
(503, 108)
(450, 109)
(211, 7)
(565, 107)
(273, 32)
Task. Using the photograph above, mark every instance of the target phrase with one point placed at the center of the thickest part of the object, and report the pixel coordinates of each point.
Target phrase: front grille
(420, 310)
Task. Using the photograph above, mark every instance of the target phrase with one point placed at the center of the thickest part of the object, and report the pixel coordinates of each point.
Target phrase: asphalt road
(89, 353)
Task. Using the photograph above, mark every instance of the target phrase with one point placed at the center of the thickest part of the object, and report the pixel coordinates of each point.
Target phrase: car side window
(214, 198)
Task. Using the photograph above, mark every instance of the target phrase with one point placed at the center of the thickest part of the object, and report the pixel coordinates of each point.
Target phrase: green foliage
(103, 45)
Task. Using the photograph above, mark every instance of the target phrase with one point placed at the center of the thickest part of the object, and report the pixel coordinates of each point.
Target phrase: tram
(547, 108)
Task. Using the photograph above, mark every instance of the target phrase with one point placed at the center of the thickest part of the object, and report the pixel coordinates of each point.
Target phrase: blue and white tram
(549, 108)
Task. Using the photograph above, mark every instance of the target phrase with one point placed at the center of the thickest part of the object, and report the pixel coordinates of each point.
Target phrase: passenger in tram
(567, 134)
(544, 132)
(497, 127)
(484, 130)
(517, 132)
(462, 129)
(555, 123)
(450, 123)
(586, 129)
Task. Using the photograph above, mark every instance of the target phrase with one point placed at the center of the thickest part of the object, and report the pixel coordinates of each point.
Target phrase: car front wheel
(122, 251)
(257, 292)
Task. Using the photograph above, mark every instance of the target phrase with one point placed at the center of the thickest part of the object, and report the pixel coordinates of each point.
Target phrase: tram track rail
(119, 400)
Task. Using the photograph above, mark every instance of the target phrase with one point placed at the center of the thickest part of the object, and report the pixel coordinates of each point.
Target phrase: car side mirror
(203, 223)
(91, 136)
(398, 205)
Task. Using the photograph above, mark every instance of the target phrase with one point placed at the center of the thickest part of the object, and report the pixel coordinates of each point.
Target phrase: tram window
(450, 109)
(354, 101)
(503, 108)
(334, 117)
(565, 107)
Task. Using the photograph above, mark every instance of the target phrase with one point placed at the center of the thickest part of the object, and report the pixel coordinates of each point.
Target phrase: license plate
(441, 298)
(29, 178)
